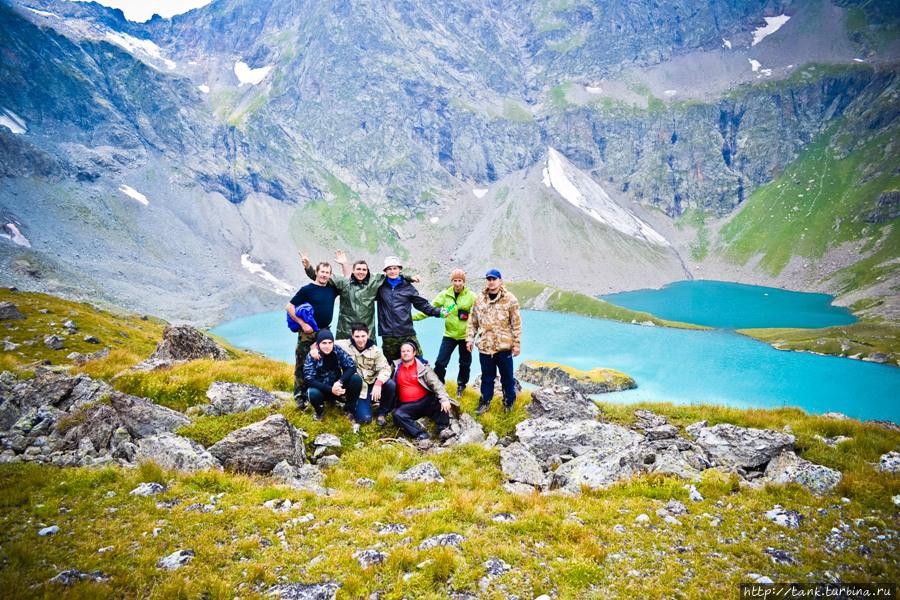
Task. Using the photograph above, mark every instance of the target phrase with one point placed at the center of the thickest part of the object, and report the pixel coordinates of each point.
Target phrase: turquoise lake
(669, 365)
(729, 305)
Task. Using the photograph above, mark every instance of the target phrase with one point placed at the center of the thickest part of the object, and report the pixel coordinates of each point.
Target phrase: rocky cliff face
(245, 128)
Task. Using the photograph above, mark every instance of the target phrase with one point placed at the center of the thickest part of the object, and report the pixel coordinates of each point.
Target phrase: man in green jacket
(457, 300)
(357, 290)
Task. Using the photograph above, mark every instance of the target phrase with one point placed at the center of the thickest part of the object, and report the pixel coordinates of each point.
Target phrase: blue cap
(493, 273)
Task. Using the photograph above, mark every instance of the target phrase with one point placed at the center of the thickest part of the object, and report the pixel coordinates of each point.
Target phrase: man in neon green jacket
(457, 300)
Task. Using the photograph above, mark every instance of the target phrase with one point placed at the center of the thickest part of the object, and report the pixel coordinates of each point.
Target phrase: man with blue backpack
(311, 309)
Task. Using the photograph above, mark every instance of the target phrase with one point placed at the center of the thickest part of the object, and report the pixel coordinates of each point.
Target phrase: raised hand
(304, 259)
(339, 257)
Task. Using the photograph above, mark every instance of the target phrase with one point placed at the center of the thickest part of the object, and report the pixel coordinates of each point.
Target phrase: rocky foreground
(566, 499)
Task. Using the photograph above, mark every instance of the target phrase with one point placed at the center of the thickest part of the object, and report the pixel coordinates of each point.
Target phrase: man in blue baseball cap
(496, 328)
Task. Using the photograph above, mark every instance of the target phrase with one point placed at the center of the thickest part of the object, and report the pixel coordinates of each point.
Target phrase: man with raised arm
(496, 328)
(320, 296)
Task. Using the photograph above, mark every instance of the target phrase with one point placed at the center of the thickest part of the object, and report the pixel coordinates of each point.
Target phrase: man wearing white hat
(396, 297)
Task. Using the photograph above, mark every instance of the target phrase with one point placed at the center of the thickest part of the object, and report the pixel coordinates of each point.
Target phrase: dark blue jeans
(406, 414)
(362, 408)
(490, 365)
(317, 398)
(448, 345)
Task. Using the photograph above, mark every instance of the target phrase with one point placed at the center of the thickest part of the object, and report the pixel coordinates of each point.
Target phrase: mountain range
(177, 166)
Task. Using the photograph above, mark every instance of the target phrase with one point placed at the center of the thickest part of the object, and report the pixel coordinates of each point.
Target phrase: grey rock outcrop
(786, 518)
(520, 465)
(787, 467)
(257, 448)
(598, 469)
(303, 477)
(172, 451)
(466, 430)
(148, 488)
(53, 342)
(597, 381)
(732, 446)
(72, 576)
(546, 437)
(227, 398)
(9, 311)
(305, 591)
(453, 540)
(182, 343)
(175, 560)
(561, 404)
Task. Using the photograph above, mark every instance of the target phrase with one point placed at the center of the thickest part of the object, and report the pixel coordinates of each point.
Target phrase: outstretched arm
(307, 266)
(341, 259)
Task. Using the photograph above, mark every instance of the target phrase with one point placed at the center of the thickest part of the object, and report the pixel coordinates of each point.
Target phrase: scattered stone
(175, 560)
(896, 500)
(890, 462)
(105, 549)
(780, 557)
(148, 489)
(730, 445)
(694, 494)
(832, 442)
(503, 518)
(392, 528)
(671, 520)
(54, 342)
(329, 460)
(305, 591)
(663, 432)
(369, 558)
(91, 339)
(172, 451)
(674, 507)
(836, 416)
(465, 430)
(226, 398)
(257, 448)
(71, 576)
(305, 477)
(760, 579)
(646, 420)
(365, 482)
(490, 441)
(279, 504)
(518, 464)
(642, 518)
(444, 539)
(9, 312)
(519, 489)
(561, 404)
(48, 531)
(619, 528)
(9, 346)
(787, 467)
(327, 440)
(70, 325)
(783, 517)
(80, 359)
(424, 472)
(495, 567)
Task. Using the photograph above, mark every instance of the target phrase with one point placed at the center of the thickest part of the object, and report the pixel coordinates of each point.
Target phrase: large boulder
(520, 465)
(594, 381)
(598, 469)
(257, 448)
(303, 477)
(732, 446)
(182, 343)
(466, 430)
(226, 398)
(561, 404)
(142, 417)
(9, 311)
(787, 467)
(546, 437)
(172, 451)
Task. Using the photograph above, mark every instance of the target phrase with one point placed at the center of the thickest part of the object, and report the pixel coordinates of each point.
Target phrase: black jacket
(395, 308)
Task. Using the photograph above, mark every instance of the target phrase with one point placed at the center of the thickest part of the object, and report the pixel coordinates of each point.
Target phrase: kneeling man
(419, 394)
(375, 372)
(331, 375)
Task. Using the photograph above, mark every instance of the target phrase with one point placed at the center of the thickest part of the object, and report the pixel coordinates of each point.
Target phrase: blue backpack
(305, 312)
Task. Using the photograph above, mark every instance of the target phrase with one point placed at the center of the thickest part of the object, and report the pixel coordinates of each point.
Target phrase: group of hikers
(347, 367)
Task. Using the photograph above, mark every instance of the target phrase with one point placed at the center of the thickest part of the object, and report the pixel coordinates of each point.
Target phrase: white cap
(392, 261)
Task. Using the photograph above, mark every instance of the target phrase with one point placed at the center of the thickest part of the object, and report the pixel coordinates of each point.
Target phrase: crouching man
(330, 375)
(374, 370)
(419, 394)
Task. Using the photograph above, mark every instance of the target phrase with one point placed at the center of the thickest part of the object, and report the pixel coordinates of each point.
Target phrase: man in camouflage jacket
(496, 328)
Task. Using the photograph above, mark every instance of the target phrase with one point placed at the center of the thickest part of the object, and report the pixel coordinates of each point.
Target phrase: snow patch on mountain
(593, 89)
(246, 75)
(138, 47)
(133, 193)
(587, 195)
(754, 65)
(11, 232)
(42, 13)
(773, 24)
(12, 121)
(277, 285)
(726, 43)
(480, 192)
(203, 88)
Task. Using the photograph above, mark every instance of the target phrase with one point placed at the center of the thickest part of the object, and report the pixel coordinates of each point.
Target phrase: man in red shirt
(419, 394)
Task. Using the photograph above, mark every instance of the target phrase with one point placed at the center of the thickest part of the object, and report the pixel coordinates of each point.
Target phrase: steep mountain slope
(190, 158)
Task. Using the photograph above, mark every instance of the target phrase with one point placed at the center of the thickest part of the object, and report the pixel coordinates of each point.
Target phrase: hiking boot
(318, 415)
(380, 421)
(482, 408)
(423, 442)
(460, 389)
(507, 408)
(300, 399)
